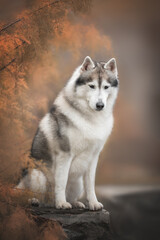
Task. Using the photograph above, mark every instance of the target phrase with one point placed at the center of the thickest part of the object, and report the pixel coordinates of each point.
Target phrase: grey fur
(99, 73)
(114, 82)
(61, 121)
(24, 172)
(40, 149)
(72, 104)
(82, 80)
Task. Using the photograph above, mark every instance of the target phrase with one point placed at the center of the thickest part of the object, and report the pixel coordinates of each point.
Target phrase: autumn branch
(31, 13)
(7, 64)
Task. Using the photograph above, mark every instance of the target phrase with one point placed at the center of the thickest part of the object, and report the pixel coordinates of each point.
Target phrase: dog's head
(97, 82)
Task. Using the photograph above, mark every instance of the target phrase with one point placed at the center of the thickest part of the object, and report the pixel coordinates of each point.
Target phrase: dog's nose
(99, 106)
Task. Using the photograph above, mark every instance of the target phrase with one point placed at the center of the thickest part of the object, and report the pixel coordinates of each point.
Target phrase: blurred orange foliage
(34, 51)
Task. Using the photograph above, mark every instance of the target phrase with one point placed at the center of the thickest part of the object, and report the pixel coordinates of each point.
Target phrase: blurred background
(41, 43)
(132, 154)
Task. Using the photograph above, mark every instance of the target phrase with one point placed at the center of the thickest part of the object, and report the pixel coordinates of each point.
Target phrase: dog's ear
(111, 66)
(87, 64)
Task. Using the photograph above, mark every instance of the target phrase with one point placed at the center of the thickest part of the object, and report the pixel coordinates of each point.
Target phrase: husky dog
(71, 136)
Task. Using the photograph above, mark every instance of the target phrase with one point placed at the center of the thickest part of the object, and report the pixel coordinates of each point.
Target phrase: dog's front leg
(89, 181)
(63, 161)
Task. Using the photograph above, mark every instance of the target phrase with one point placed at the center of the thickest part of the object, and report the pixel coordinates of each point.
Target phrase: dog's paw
(78, 204)
(33, 202)
(95, 205)
(63, 205)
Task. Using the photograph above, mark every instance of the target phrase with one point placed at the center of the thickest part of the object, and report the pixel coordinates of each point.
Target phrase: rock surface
(78, 224)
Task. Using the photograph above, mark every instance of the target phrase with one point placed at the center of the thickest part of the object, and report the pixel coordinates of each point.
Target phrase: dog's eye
(92, 86)
(105, 87)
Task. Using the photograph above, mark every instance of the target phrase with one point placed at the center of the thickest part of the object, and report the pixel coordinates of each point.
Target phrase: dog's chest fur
(89, 133)
(86, 141)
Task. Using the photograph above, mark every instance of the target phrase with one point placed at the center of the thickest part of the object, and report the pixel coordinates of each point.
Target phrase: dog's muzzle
(99, 106)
